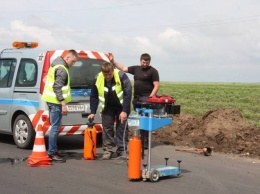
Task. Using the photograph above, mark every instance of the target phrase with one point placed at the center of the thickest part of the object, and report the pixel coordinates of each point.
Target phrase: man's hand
(123, 117)
(64, 110)
(111, 57)
(91, 117)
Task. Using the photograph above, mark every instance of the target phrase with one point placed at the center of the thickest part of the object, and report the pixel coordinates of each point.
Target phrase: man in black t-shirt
(146, 82)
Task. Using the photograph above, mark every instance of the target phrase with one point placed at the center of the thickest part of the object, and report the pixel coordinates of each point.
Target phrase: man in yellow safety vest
(57, 93)
(112, 88)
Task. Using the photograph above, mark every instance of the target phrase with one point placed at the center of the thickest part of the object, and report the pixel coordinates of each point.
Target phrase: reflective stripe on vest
(100, 83)
(48, 92)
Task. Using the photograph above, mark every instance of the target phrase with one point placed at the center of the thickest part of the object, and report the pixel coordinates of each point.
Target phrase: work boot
(61, 153)
(122, 154)
(107, 155)
(57, 158)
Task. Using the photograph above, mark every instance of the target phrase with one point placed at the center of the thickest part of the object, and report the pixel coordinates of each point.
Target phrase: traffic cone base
(39, 156)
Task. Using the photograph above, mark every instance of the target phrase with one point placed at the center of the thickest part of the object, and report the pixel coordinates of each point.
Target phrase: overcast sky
(189, 40)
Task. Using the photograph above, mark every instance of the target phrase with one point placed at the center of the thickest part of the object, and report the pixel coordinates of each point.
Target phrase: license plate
(133, 122)
(76, 108)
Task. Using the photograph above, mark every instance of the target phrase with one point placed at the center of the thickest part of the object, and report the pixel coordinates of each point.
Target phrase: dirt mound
(223, 130)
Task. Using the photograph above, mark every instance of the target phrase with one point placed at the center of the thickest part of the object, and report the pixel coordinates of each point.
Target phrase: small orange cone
(39, 156)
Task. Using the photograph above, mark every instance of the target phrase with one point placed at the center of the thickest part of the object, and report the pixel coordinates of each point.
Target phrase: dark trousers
(114, 140)
(144, 134)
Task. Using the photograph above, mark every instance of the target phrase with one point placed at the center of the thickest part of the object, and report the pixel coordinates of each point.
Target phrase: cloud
(188, 41)
(172, 39)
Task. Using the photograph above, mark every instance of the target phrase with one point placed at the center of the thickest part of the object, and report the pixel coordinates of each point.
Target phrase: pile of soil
(223, 130)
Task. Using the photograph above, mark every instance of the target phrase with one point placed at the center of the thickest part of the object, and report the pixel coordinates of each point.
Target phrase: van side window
(27, 73)
(7, 68)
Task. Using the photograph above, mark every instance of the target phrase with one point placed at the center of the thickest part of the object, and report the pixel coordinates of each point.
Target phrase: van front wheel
(23, 132)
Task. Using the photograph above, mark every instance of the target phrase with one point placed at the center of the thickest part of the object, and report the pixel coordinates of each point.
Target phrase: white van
(23, 70)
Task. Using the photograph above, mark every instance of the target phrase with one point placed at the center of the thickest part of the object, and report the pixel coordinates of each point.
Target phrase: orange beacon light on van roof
(25, 44)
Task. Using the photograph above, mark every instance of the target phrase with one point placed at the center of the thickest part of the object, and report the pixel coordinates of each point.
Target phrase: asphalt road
(201, 174)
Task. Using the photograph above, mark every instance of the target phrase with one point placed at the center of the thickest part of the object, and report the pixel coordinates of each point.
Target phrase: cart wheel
(154, 176)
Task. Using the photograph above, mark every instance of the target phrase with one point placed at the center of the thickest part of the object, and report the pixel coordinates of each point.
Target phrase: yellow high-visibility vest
(48, 92)
(100, 83)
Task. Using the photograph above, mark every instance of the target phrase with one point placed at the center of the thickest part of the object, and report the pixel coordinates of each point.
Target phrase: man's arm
(156, 87)
(116, 64)
(121, 67)
(127, 89)
(94, 101)
(61, 77)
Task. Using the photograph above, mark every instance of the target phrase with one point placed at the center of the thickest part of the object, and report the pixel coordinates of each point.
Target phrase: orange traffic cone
(39, 156)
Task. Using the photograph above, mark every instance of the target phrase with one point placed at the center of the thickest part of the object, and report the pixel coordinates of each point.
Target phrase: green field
(198, 98)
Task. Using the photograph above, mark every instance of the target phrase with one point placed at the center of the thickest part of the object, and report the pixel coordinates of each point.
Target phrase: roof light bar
(18, 44)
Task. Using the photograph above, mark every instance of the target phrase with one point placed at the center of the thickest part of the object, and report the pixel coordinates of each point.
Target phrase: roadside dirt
(223, 130)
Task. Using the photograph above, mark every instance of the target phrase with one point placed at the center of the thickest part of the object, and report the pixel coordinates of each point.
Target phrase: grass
(198, 98)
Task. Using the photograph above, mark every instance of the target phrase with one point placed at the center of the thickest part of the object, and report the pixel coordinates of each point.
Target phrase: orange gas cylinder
(134, 158)
(90, 139)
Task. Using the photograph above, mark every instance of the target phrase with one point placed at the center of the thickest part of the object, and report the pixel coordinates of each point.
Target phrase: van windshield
(82, 74)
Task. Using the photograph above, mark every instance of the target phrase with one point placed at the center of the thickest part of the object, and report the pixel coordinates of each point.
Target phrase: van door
(82, 75)
(8, 68)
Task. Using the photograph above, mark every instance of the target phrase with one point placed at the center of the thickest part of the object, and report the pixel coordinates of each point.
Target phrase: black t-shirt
(143, 79)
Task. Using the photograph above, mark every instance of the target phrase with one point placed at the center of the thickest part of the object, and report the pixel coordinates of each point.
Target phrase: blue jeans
(55, 120)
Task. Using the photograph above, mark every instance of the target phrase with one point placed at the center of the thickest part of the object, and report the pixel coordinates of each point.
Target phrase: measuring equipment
(151, 115)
